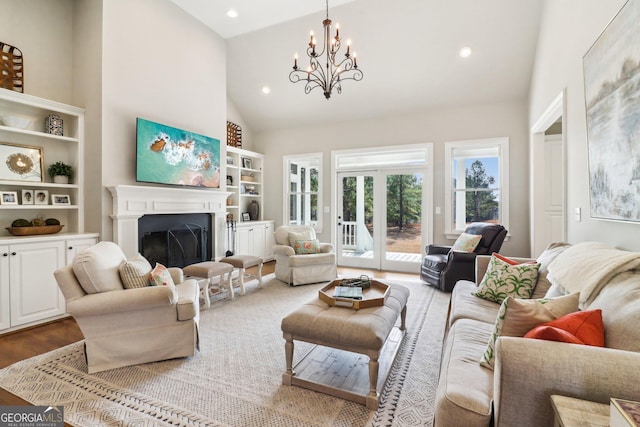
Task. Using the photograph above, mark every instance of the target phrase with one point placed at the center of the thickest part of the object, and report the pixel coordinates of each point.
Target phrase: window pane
(313, 176)
(480, 206)
(314, 207)
(293, 209)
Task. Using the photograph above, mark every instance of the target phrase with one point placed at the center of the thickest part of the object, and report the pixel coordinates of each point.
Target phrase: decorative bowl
(15, 121)
(32, 231)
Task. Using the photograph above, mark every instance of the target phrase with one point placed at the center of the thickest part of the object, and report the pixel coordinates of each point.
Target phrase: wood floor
(41, 339)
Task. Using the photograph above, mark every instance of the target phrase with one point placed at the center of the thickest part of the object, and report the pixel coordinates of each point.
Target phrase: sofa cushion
(581, 327)
(465, 305)
(160, 276)
(303, 235)
(97, 268)
(466, 242)
(518, 316)
(312, 259)
(465, 389)
(503, 279)
(135, 272)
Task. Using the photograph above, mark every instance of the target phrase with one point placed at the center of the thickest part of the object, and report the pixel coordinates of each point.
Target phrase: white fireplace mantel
(130, 202)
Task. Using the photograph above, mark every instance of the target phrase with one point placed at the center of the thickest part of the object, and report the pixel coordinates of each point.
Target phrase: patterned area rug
(235, 380)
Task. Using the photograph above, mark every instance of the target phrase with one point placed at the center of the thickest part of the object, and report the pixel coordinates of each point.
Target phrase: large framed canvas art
(612, 97)
(167, 155)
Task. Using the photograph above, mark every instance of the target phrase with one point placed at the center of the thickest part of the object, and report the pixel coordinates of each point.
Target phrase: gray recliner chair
(443, 267)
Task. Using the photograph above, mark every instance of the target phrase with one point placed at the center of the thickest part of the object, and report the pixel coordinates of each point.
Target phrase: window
(476, 183)
(303, 190)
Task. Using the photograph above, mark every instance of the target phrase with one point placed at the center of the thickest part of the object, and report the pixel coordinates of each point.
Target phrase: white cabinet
(34, 291)
(244, 181)
(256, 239)
(29, 293)
(41, 149)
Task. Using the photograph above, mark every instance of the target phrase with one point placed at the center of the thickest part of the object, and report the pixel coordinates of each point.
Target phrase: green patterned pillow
(518, 316)
(503, 279)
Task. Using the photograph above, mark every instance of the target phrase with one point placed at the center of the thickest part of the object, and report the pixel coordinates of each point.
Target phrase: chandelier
(326, 69)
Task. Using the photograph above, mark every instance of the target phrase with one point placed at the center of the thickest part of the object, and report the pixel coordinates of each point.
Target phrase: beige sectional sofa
(528, 371)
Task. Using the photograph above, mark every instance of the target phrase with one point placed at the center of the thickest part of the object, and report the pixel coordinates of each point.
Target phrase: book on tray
(353, 292)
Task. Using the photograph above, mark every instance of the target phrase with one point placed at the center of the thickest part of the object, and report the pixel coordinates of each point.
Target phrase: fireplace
(175, 240)
(131, 203)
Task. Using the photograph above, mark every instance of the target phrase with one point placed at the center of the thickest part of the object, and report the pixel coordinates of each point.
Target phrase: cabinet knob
(13, 253)
(5, 254)
(70, 247)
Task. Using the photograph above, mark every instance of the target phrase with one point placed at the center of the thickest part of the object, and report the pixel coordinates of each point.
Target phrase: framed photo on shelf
(247, 163)
(10, 198)
(21, 162)
(246, 216)
(229, 180)
(41, 197)
(60, 199)
(230, 161)
(27, 197)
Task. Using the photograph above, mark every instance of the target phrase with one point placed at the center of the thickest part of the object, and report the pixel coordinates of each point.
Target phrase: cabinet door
(34, 291)
(75, 246)
(269, 242)
(257, 237)
(243, 241)
(5, 303)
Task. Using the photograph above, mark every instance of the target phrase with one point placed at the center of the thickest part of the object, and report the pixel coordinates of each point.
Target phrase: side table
(572, 412)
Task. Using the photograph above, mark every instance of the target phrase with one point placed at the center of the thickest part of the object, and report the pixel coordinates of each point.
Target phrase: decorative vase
(61, 179)
(254, 210)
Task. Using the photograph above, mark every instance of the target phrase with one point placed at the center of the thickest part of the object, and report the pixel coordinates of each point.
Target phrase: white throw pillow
(97, 268)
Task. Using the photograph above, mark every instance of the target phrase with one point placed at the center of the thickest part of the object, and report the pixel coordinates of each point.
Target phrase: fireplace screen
(176, 247)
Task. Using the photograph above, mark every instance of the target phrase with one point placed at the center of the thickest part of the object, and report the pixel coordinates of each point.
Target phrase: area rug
(235, 379)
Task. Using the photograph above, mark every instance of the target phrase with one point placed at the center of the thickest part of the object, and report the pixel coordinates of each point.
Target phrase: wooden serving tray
(32, 231)
(374, 296)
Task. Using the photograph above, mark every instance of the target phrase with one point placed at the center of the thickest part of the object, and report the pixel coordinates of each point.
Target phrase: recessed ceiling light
(232, 13)
(465, 52)
(266, 90)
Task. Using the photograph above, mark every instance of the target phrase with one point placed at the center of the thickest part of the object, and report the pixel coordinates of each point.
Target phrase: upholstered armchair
(130, 325)
(300, 258)
(443, 266)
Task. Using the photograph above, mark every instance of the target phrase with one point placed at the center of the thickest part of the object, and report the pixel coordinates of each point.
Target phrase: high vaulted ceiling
(407, 50)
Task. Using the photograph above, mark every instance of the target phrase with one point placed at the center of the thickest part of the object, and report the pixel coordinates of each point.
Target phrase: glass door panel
(403, 229)
(357, 236)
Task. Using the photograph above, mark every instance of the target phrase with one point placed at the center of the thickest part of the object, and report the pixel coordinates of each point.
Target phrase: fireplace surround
(131, 202)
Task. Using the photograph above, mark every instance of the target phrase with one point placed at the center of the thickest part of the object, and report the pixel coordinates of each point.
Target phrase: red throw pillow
(509, 260)
(581, 327)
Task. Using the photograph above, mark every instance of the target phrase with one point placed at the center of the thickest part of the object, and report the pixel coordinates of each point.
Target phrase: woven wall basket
(234, 135)
(11, 68)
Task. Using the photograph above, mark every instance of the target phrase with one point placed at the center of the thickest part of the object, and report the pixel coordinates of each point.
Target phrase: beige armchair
(123, 326)
(319, 265)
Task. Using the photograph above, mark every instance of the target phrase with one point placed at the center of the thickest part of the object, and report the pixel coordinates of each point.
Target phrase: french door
(380, 223)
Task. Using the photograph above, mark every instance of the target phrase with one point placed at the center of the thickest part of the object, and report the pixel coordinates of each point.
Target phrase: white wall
(439, 126)
(42, 30)
(161, 64)
(568, 30)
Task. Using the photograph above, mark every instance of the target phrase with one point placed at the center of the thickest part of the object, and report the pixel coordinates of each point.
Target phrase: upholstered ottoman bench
(242, 262)
(368, 331)
(209, 270)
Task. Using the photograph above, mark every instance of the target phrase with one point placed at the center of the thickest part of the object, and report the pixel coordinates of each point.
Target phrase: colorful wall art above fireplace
(166, 155)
